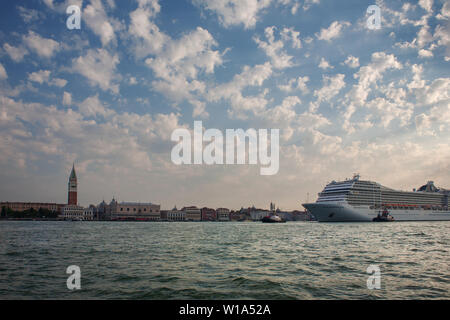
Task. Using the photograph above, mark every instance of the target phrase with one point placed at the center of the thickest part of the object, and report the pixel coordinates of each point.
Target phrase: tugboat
(383, 217)
(272, 217)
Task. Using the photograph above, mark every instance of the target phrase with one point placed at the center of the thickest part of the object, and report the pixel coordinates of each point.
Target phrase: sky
(346, 98)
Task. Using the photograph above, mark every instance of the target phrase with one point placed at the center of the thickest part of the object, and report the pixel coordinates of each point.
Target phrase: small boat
(273, 218)
(383, 217)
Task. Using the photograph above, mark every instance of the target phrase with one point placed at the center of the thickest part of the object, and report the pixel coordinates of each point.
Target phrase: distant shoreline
(59, 220)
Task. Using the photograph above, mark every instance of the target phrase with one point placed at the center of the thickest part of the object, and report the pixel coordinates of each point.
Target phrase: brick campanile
(72, 195)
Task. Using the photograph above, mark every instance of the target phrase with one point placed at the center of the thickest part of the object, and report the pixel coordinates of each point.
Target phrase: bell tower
(72, 195)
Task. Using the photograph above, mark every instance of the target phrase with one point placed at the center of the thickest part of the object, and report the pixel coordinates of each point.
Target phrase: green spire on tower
(73, 175)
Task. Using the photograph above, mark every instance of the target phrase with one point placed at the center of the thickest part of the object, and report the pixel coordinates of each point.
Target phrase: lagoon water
(211, 260)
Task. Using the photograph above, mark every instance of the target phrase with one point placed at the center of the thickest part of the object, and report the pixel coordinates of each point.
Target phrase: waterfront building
(164, 215)
(258, 214)
(72, 212)
(192, 213)
(223, 214)
(22, 206)
(176, 215)
(208, 214)
(237, 216)
(135, 211)
(90, 213)
(102, 209)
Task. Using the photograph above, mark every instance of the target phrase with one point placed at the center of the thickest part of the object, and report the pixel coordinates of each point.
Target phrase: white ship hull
(343, 212)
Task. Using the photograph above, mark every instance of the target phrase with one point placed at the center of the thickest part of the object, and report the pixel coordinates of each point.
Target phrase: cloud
(389, 111)
(352, 62)
(445, 11)
(124, 145)
(58, 82)
(235, 12)
(371, 73)
(333, 31)
(99, 67)
(92, 106)
(434, 122)
(30, 15)
(176, 63)
(180, 63)
(242, 105)
(15, 53)
(43, 76)
(274, 48)
(436, 92)
(427, 5)
(425, 53)
(324, 64)
(296, 83)
(290, 35)
(146, 36)
(95, 16)
(40, 76)
(44, 47)
(368, 76)
(332, 85)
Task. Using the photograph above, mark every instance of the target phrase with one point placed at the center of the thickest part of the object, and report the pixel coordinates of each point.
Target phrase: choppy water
(296, 260)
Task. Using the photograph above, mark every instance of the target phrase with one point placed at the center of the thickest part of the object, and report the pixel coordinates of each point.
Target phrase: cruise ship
(356, 200)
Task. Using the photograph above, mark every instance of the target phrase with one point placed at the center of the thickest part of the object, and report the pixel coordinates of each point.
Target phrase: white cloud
(324, 64)
(427, 5)
(242, 105)
(29, 15)
(179, 64)
(425, 53)
(58, 82)
(389, 111)
(290, 35)
(308, 3)
(44, 47)
(176, 63)
(97, 20)
(333, 31)
(293, 84)
(43, 76)
(274, 48)
(370, 74)
(442, 35)
(92, 106)
(147, 38)
(235, 12)
(40, 77)
(99, 67)
(15, 53)
(332, 85)
(438, 91)
(352, 62)
(445, 11)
